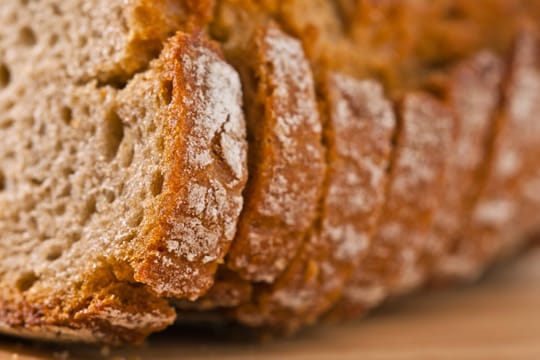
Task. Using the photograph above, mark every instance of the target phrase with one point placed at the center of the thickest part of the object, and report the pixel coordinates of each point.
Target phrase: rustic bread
(130, 129)
(100, 183)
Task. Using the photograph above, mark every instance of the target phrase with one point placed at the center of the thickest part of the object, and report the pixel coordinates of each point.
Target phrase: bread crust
(507, 208)
(306, 221)
(424, 140)
(115, 314)
(288, 160)
(358, 131)
(473, 90)
(205, 160)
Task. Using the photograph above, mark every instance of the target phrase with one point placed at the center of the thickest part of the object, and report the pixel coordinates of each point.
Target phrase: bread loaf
(269, 162)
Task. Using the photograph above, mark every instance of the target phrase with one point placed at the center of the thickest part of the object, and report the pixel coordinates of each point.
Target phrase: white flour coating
(133, 321)
(298, 128)
(367, 296)
(427, 133)
(506, 202)
(293, 172)
(475, 95)
(193, 240)
(211, 208)
(363, 121)
(494, 212)
(294, 299)
(422, 152)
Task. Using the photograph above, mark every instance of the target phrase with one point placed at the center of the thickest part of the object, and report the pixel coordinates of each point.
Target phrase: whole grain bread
(266, 162)
(103, 184)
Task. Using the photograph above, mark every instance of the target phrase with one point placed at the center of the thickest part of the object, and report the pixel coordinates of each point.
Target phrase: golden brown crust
(416, 186)
(357, 133)
(287, 160)
(194, 221)
(473, 91)
(507, 208)
(115, 313)
(228, 291)
(205, 162)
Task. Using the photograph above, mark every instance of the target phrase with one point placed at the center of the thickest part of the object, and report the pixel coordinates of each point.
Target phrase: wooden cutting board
(496, 319)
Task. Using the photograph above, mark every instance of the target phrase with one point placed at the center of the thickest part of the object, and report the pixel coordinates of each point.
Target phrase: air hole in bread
(136, 219)
(160, 143)
(10, 104)
(66, 114)
(7, 123)
(26, 281)
(42, 129)
(66, 190)
(112, 136)
(27, 36)
(35, 181)
(29, 121)
(83, 41)
(151, 127)
(156, 186)
(89, 209)
(5, 75)
(53, 40)
(110, 196)
(2, 181)
(54, 253)
(60, 209)
(56, 10)
(167, 87)
(126, 152)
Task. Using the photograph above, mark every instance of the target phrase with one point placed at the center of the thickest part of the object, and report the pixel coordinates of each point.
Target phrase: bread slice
(100, 184)
(287, 158)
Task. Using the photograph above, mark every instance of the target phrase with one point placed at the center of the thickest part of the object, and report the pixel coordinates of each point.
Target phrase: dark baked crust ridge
(205, 160)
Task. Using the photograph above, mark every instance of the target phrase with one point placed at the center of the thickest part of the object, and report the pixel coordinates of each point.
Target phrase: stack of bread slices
(271, 163)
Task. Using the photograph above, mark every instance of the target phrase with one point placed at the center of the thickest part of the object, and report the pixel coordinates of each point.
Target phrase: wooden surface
(496, 319)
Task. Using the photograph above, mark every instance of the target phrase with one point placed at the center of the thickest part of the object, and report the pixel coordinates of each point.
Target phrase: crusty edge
(96, 321)
(205, 170)
(287, 164)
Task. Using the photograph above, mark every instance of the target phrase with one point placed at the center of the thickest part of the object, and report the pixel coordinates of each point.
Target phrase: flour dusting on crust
(286, 181)
(205, 143)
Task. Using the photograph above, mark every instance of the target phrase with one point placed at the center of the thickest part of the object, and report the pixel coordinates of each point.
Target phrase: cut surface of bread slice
(92, 180)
